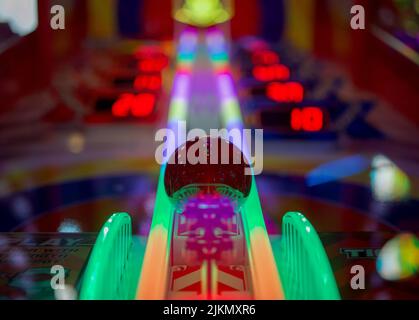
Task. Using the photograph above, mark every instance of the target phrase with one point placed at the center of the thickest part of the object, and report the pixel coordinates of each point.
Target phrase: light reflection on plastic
(69, 226)
(22, 15)
(388, 182)
(337, 170)
(399, 258)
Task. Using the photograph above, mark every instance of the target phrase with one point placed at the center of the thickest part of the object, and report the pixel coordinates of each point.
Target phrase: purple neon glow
(181, 86)
(230, 106)
(187, 47)
(210, 222)
(225, 87)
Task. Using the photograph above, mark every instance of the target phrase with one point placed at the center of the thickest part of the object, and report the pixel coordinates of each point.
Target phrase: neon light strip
(153, 280)
(178, 108)
(230, 107)
(266, 281)
(396, 44)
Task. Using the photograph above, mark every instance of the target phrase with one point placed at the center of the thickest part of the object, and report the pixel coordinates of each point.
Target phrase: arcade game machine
(103, 123)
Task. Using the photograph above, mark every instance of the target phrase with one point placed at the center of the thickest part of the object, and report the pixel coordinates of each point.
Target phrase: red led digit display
(285, 92)
(265, 57)
(308, 119)
(151, 82)
(151, 59)
(156, 64)
(122, 106)
(271, 73)
(141, 105)
(148, 52)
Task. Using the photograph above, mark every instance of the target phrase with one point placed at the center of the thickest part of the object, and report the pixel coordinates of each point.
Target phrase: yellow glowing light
(202, 13)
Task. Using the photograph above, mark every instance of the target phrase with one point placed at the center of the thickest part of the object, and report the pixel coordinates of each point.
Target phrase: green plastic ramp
(112, 271)
(303, 265)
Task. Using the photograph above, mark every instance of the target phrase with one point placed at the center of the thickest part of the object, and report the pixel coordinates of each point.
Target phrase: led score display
(265, 57)
(155, 64)
(285, 92)
(296, 119)
(277, 87)
(152, 82)
(148, 82)
(309, 119)
(276, 72)
(139, 106)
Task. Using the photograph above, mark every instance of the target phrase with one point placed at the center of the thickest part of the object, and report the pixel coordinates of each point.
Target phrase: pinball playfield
(124, 157)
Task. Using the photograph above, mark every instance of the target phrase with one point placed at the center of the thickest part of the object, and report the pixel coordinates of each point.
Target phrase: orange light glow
(152, 287)
(267, 284)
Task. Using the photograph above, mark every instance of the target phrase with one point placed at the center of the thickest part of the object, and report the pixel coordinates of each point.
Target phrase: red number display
(140, 106)
(265, 57)
(285, 92)
(308, 119)
(271, 73)
(151, 82)
(153, 65)
(151, 59)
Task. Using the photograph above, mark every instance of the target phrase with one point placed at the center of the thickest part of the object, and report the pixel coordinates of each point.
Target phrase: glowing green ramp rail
(303, 264)
(111, 271)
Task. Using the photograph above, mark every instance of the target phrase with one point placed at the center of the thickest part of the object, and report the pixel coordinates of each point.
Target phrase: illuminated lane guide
(152, 283)
(209, 247)
(266, 281)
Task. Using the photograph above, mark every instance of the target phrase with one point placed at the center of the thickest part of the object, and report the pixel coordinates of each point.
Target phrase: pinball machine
(86, 109)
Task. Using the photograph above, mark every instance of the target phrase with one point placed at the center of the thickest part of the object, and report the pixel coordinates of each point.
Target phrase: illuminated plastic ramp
(266, 281)
(114, 263)
(302, 263)
(160, 268)
(152, 284)
(208, 238)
